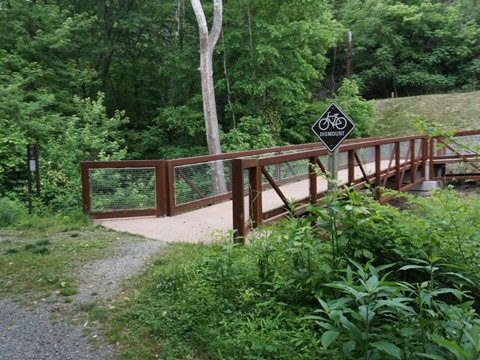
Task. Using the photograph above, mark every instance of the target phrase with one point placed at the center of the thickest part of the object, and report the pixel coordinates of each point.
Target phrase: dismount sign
(333, 127)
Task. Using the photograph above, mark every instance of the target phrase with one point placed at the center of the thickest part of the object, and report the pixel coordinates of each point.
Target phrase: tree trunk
(207, 44)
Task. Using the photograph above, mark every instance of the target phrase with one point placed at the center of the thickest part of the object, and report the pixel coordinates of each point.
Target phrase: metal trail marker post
(332, 128)
(33, 175)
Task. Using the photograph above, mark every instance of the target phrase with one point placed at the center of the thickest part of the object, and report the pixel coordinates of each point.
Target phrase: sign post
(333, 169)
(33, 174)
(332, 128)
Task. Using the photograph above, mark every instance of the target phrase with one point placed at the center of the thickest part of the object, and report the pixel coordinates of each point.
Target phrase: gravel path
(50, 330)
(33, 334)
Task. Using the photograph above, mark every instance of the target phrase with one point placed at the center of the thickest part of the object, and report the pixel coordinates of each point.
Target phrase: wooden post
(161, 188)
(87, 201)
(255, 195)
(424, 158)
(398, 178)
(170, 190)
(378, 170)
(238, 200)
(413, 158)
(431, 173)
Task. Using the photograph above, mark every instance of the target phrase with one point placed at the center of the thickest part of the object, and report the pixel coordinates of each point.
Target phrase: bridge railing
(189, 180)
(123, 188)
(167, 187)
(374, 162)
(456, 156)
(157, 187)
(162, 187)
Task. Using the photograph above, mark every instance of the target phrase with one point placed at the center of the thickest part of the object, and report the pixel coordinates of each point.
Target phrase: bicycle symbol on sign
(338, 122)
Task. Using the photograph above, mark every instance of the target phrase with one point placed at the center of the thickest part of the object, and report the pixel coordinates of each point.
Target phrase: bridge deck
(199, 225)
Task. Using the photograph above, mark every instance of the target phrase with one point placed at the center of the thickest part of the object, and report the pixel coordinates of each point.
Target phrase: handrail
(173, 208)
(255, 168)
(405, 154)
(439, 155)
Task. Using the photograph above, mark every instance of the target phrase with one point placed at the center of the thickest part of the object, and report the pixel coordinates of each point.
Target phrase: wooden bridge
(175, 200)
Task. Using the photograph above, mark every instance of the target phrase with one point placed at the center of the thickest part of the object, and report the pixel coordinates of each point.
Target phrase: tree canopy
(125, 72)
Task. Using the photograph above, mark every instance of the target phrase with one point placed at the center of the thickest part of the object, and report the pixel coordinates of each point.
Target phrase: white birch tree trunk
(207, 44)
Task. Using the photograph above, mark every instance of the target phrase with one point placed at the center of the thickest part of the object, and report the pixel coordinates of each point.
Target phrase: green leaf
(328, 338)
(389, 348)
(396, 304)
(431, 356)
(408, 267)
(408, 332)
(353, 330)
(452, 347)
(372, 284)
(425, 297)
(349, 346)
(368, 254)
(460, 276)
(325, 325)
(342, 240)
(349, 274)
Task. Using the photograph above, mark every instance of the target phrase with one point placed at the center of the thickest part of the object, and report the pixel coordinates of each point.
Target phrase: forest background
(119, 79)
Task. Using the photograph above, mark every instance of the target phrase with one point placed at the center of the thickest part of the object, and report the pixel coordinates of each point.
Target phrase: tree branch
(201, 20)
(217, 23)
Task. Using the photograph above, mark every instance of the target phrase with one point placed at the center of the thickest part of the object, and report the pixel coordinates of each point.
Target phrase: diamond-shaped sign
(333, 127)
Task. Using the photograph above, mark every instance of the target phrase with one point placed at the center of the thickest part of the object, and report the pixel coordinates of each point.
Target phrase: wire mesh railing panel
(404, 149)
(324, 161)
(465, 145)
(285, 175)
(419, 148)
(198, 181)
(118, 189)
(287, 172)
(294, 169)
(366, 155)
(365, 160)
(386, 151)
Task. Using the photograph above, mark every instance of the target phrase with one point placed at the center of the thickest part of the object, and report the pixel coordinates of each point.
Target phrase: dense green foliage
(72, 73)
(353, 280)
(413, 47)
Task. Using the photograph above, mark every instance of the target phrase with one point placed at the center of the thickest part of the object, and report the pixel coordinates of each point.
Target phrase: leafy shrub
(376, 318)
(12, 155)
(250, 133)
(351, 279)
(89, 134)
(10, 212)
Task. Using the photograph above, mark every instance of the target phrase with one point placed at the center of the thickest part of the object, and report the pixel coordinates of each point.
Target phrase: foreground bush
(349, 280)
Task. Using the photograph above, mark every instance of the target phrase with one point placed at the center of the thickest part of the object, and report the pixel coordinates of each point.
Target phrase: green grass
(399, 116)
(137, 342)
(40, 255)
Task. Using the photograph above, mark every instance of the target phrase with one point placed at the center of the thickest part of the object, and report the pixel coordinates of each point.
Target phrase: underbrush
(350, 280)
(14, 215)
